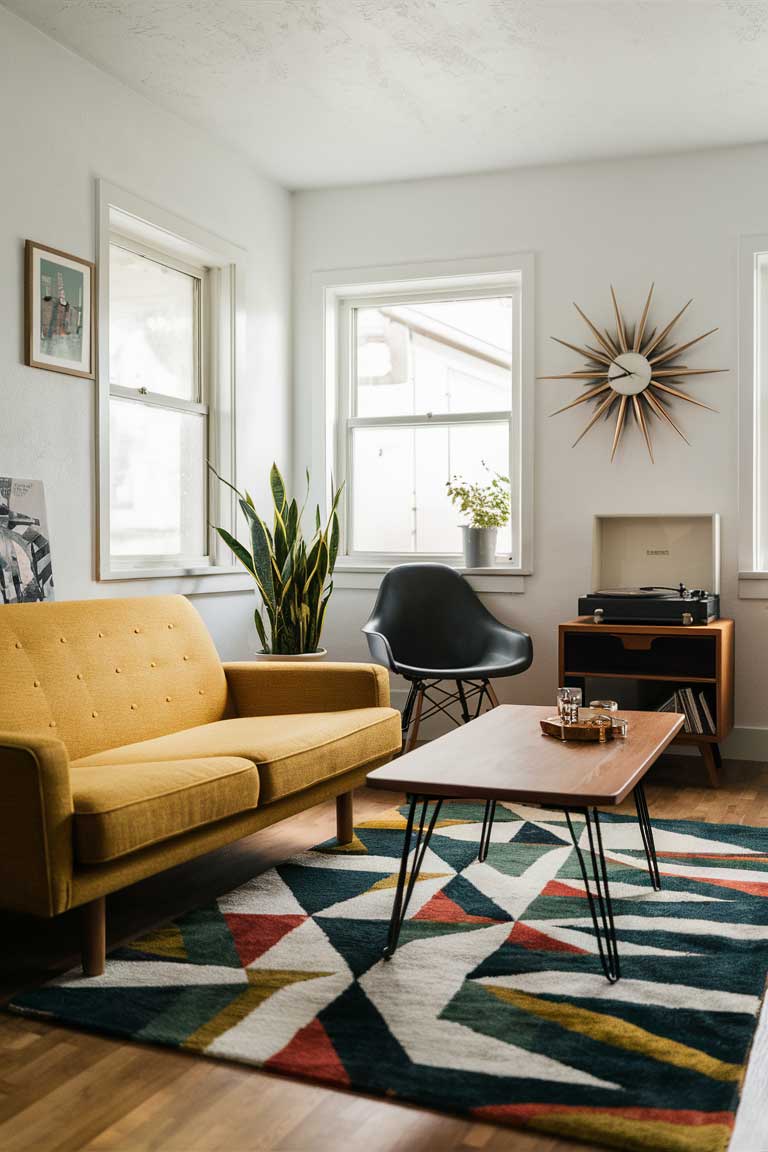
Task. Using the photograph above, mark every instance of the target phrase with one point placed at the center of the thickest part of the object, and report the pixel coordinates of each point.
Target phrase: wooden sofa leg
(345, 830)
(93, 936)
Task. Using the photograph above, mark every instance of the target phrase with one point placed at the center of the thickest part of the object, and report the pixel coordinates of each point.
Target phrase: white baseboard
(742, 744)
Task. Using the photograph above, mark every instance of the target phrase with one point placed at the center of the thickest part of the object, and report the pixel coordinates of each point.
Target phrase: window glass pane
(441, 356)
(399, 502)
(157, 474)
(152, 325)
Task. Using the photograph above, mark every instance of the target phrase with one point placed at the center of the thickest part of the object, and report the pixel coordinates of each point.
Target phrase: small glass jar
(620, 727)
(604, 705)
(568, 704)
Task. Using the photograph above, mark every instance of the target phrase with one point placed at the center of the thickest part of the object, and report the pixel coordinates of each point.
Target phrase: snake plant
(293, 578)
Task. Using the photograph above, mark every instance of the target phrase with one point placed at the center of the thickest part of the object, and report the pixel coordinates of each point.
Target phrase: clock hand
(620, 374)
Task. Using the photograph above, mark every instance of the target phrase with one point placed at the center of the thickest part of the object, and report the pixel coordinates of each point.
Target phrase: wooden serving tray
(584, 731)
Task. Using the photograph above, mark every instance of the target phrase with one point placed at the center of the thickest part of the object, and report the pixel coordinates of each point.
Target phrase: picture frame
(60, 311)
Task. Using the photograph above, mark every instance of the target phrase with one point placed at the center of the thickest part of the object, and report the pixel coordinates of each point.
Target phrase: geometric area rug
(495, 1005)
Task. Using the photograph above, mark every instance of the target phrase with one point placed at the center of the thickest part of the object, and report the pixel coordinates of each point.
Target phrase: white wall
(63, 125)
(675, 221)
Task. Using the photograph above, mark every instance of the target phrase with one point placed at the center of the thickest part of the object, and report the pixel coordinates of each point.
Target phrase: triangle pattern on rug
(442, 908)
(528, 937)
(536, 834)
(255, 935)
(310, 1054)
(166, 941)
(558, 888)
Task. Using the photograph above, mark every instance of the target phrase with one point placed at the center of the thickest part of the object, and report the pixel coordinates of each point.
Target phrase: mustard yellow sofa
(127, 747)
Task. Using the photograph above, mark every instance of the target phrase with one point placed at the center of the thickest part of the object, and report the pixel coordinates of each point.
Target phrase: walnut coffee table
(504, 756)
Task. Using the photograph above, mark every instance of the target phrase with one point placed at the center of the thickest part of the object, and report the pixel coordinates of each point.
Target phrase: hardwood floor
(68, 1091)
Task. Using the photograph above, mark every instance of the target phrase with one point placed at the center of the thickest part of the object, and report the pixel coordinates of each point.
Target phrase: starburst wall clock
(633, 371)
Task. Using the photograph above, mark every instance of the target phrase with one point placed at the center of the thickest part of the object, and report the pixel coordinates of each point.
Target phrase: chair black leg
(600, 906)
(407, 710)
(404, 891)
(414, 720)
(464, 709)
(646, 831)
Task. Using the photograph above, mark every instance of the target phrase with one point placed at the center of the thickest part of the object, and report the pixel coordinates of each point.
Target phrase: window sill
(500, 578)
(185, 581)
(753, 585)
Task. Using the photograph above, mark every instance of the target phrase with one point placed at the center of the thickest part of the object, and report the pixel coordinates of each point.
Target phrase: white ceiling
(321, 92)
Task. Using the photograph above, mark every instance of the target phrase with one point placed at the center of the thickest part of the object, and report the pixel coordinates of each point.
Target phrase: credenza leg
(713, 762)
(405, 880)
(598, 892)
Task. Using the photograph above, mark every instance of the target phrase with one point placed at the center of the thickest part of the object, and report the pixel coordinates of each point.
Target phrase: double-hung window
(158, 407)
(429, 388)
(168, 297)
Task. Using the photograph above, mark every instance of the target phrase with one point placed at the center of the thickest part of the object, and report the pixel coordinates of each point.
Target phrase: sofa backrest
(101, 673)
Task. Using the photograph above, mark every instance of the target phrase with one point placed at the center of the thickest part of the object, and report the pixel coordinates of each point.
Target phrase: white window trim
(753, 582)
(142, 222)
(485, 275)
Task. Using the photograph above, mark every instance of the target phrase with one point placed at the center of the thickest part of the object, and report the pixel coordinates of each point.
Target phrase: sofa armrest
(35, 825)
(272, 688)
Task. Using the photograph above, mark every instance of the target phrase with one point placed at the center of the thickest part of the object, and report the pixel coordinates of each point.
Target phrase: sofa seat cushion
(292, 752)
(120, 808)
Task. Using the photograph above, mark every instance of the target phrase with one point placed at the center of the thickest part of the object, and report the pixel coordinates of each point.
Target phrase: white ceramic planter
(292, 657)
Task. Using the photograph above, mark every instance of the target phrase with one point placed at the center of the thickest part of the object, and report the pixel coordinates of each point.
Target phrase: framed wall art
(60, 295)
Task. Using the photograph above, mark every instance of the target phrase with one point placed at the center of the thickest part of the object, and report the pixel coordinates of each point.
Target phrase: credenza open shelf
(636, 664)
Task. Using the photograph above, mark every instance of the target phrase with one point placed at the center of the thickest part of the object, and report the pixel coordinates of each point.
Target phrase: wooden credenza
(637, 664)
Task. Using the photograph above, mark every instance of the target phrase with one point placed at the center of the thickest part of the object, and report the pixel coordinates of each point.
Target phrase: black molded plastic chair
(429, 626)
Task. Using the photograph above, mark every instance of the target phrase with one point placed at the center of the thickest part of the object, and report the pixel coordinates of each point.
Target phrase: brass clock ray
(635, 370)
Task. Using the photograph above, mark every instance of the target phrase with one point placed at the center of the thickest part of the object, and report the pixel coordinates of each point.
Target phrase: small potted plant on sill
(293, 578)
(487, 508)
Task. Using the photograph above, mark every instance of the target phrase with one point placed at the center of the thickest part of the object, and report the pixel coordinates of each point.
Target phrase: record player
(654, 570)
(650, 605)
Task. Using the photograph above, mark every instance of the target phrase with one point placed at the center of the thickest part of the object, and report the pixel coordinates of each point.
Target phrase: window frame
(753, 430)
(339, 293)
(152, 231)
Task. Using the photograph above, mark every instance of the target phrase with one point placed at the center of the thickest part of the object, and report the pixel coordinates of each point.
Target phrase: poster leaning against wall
(25, 552)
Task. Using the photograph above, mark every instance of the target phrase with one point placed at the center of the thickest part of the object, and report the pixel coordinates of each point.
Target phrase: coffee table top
(503, 755)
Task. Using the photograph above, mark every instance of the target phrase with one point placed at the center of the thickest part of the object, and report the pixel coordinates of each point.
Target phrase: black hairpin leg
(600, 906)
(485, 833)
(406, 881)
(646, 831)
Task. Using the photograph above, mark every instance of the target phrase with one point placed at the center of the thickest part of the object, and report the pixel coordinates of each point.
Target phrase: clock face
(629, 374)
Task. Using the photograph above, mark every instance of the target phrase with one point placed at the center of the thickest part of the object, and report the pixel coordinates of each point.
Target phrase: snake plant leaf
(280, 541)
(292, 523)
(318, 521)
(261, 631)
(262, 560)
(333, 545)
(239, 550)
(237, 491)
(277, 484)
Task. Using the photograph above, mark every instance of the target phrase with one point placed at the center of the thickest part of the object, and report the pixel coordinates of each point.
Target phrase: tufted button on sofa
(127, 747)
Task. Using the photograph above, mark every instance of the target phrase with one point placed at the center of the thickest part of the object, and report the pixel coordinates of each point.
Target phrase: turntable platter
(645, 593)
